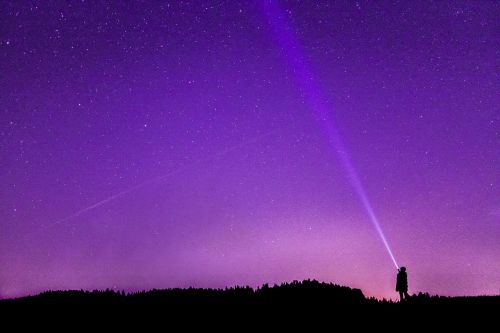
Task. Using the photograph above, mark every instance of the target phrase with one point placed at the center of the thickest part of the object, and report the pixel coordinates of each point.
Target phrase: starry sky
(174, 144)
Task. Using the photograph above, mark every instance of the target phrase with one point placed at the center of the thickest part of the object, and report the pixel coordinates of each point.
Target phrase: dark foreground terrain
(307, 302)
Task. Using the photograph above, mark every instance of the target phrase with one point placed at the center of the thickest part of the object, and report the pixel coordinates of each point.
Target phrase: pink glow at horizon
(157, 145)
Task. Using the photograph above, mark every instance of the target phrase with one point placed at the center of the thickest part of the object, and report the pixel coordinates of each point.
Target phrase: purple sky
(153, 145)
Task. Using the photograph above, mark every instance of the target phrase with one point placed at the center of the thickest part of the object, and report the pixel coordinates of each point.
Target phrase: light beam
(282, 32)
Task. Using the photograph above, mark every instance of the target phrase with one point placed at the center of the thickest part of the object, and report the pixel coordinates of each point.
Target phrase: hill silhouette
(296, 301)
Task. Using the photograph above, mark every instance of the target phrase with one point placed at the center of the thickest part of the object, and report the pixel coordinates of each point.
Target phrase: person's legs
(401, 296)
(406, 295)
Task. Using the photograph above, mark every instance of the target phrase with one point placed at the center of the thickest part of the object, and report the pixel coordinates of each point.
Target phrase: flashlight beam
(282, 32)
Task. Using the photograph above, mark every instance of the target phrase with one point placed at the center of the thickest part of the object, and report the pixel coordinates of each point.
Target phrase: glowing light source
(285, 37)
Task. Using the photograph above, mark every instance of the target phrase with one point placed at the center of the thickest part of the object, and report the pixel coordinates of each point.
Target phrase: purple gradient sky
(196, 104)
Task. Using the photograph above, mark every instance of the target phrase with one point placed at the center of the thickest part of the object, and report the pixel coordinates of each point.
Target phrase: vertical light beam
(296, 60)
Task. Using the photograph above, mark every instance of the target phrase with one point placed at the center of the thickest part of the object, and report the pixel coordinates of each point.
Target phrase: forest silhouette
(298, 300)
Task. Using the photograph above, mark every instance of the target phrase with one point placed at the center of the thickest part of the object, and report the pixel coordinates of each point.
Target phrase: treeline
(295, 300)
(294, 292)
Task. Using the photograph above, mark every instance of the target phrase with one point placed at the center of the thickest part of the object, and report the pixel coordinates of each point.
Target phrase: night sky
(189, 143)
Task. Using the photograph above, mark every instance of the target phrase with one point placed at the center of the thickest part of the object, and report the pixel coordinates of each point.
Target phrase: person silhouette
(402, 284)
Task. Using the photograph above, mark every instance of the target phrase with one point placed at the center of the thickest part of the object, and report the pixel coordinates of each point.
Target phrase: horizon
(229, 287)
(218, 143)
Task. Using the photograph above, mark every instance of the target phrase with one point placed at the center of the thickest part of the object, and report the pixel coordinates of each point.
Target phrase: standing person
(402, 284)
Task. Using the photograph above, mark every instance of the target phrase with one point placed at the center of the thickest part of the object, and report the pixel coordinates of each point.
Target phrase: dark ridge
(296, 301)
(288, 293)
